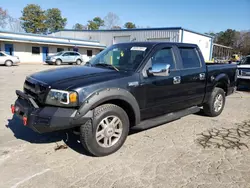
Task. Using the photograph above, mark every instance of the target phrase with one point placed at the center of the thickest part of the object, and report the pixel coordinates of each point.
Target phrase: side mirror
(159, 70)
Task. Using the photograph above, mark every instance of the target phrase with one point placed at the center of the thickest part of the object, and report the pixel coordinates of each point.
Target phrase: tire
(58, 62)
(102, 117)
(78, 62)
(216, 103)
(8, 63)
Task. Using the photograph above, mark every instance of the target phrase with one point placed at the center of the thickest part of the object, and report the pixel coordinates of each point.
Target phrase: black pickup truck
(138, 84)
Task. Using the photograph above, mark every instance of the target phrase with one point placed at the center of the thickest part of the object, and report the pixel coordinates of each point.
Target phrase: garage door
(120, 39)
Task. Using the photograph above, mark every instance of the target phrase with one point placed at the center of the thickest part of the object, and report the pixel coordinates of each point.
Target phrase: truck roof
(158, 43)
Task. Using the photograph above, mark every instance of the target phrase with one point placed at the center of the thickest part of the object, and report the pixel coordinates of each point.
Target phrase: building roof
(44, 39)
(139, 29)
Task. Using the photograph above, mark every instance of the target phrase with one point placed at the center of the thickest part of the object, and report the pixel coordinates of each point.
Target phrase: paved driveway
(195, 151)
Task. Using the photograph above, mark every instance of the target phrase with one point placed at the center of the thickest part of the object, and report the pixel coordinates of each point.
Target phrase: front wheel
(108, 131)
(58, 62)
(8, 63)
(216, 103)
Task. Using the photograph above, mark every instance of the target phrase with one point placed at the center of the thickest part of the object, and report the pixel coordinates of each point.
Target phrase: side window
(1, 54)
(60, 49)
(190, 58)
(72, 54)
(35, 50)
(66, 54)
(89, 53)
(164, 56)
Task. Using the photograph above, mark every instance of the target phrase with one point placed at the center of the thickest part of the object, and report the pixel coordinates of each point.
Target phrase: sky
(198, 15)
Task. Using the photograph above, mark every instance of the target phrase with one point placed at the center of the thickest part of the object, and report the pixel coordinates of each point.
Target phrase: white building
(34, 48)
(170, 34)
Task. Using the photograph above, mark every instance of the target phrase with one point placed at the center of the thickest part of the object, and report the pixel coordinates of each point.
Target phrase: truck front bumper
(47, 118)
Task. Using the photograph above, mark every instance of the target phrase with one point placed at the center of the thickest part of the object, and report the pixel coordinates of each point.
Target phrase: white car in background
(8, 60)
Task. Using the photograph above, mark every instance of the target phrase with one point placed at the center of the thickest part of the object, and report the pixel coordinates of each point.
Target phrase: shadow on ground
(27, 134)
(228, 138)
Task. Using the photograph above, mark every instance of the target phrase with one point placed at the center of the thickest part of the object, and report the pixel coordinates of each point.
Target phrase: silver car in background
(65, 57)
(8, 60)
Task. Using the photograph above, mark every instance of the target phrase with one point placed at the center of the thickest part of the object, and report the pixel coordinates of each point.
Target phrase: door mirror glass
(159, 69)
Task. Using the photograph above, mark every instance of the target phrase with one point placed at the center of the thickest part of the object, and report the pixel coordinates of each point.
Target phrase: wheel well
(222, 85)
(126, 107)
(8, 60)
(79, 59)
(58, 59)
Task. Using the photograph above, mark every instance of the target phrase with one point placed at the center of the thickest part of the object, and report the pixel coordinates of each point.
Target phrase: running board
(146, 124)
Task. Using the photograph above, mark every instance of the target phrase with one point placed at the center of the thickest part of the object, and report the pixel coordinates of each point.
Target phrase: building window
(89, 53)
(35, 50)
(60, 49)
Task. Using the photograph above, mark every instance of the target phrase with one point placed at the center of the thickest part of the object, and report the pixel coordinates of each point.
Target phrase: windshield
(121, 56)
(59, 53)
(245, 61)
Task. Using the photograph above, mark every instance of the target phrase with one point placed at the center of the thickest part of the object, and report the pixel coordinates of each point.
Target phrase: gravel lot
(195, 151)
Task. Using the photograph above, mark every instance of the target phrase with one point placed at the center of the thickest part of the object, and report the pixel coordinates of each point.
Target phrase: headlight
(53, 59)
(62, 98)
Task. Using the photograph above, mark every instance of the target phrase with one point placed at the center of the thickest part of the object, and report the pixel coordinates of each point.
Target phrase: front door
(66, 57)
(163, 93)
(9, 49)
(45, 52)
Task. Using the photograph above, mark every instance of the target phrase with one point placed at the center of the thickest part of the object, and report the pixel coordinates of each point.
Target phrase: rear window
(190, 58)
(246, 61)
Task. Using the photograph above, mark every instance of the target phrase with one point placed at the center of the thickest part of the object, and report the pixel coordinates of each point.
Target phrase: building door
(121, 39)
(9, 49)
(45, 52)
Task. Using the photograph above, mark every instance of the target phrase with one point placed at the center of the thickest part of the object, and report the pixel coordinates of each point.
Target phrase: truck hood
(70, 77)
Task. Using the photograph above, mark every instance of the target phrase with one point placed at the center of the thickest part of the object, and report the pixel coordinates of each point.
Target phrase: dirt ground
(195, 151)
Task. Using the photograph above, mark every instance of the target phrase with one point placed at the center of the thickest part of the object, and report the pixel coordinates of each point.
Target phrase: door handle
(202, 76)
(176, 80)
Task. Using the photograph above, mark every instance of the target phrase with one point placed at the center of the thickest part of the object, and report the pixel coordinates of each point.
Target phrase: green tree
(54, 20)
(95, 24)
(129, 25)
(33, 19)
(227, 37)
(79, 26)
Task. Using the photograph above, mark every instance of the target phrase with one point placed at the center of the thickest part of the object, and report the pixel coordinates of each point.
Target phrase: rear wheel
(58, 62)
(216, 103)
(108, 131)
(8, 63)
(78, 62)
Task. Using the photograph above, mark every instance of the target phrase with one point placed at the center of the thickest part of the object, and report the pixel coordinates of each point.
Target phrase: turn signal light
(73, 97)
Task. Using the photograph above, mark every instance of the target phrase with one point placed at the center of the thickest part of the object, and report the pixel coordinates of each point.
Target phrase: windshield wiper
(106, 65)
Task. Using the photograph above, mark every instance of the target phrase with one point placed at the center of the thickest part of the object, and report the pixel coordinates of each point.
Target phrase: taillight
(25, 120)
(12, 109)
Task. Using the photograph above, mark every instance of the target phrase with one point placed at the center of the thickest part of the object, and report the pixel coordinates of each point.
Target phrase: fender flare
(104, 95)
(222, 78)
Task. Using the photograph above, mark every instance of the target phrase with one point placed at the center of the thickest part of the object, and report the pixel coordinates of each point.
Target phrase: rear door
(193, 75)
(73, 57)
